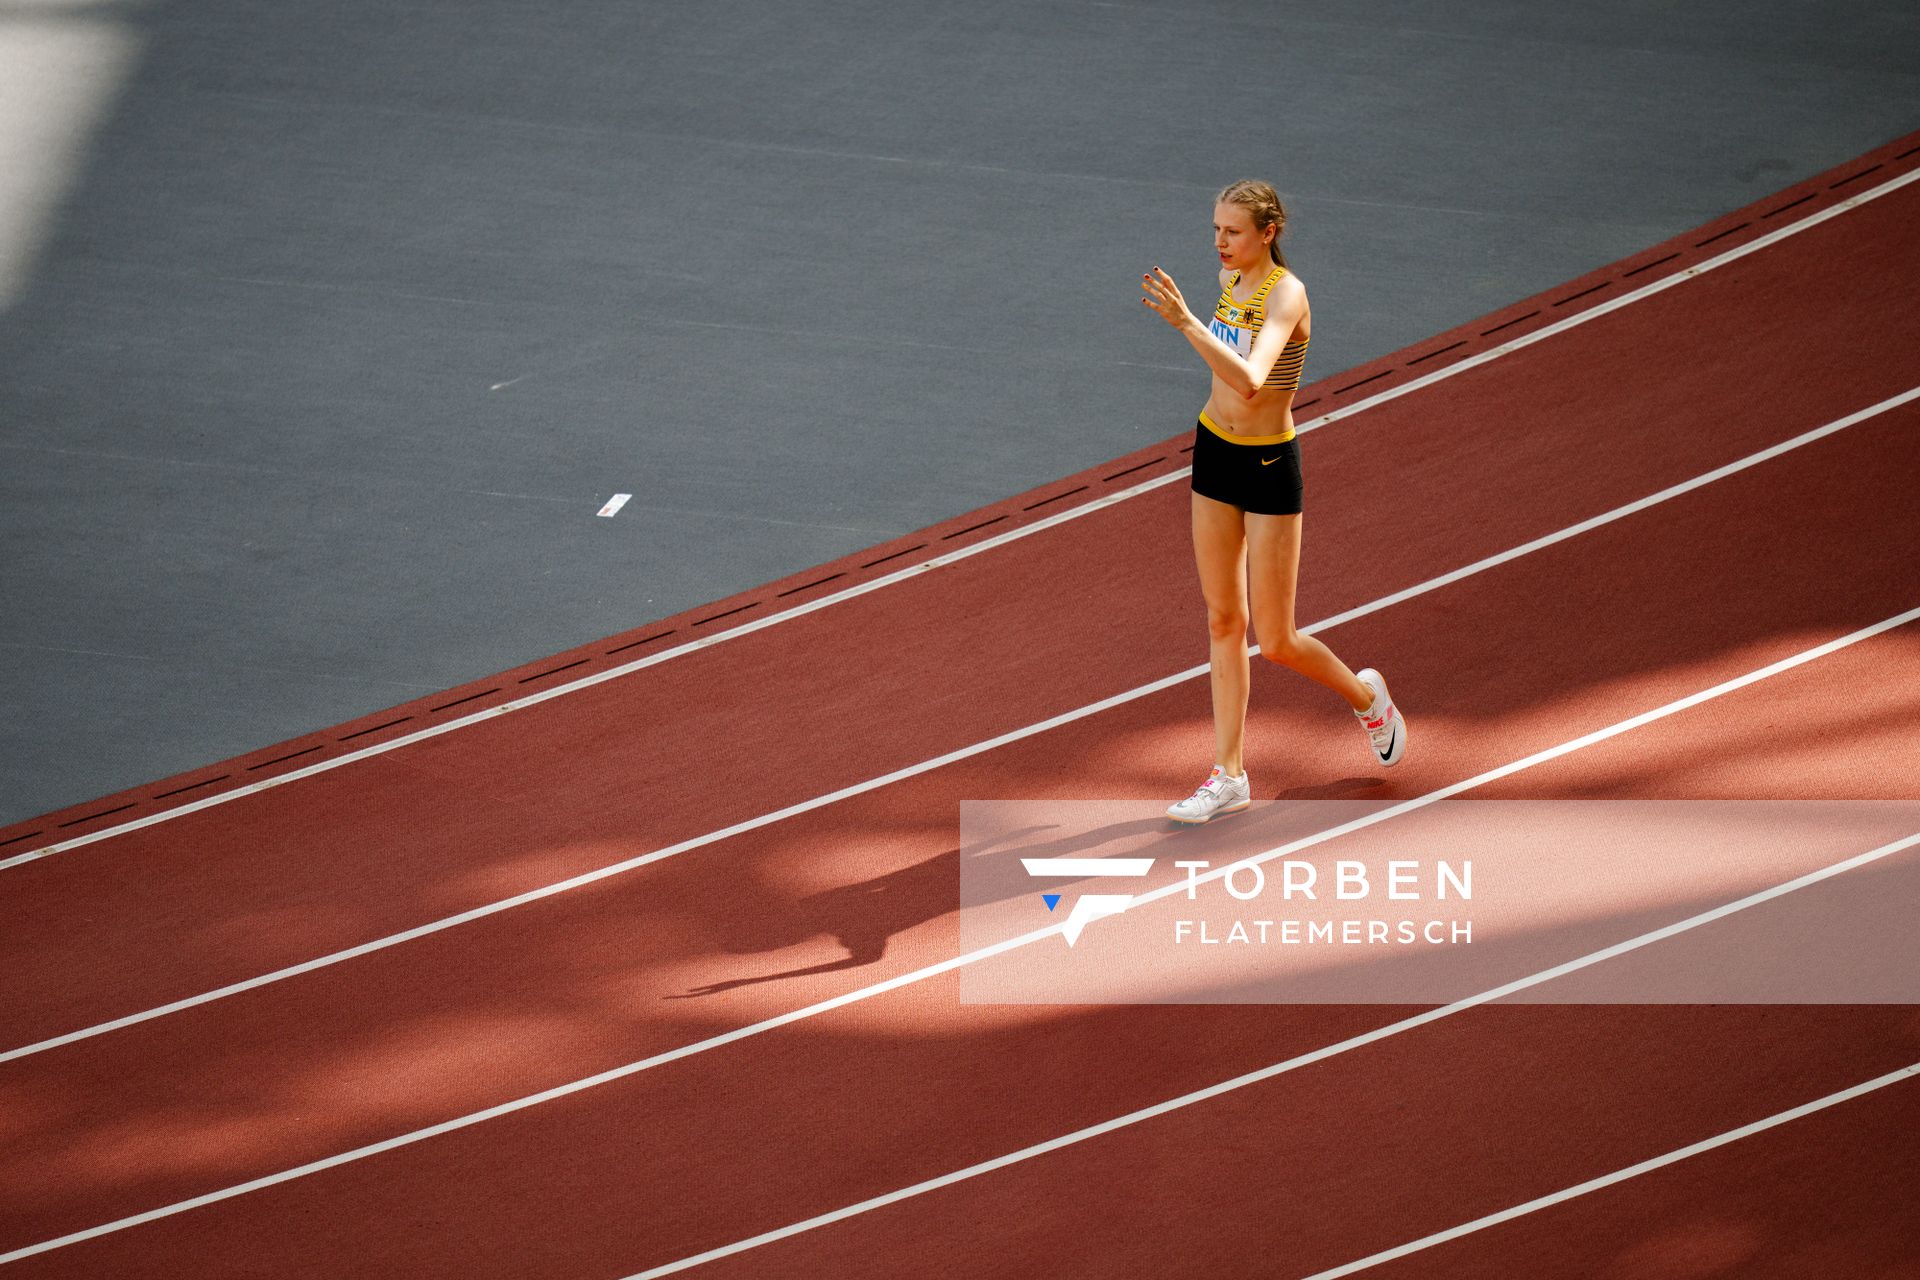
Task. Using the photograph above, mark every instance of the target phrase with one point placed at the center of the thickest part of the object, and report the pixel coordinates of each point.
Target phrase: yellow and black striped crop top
(1236, 323)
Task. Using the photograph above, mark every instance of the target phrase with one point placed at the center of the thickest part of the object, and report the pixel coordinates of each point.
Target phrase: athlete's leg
(1273, 549)
(1220, 549)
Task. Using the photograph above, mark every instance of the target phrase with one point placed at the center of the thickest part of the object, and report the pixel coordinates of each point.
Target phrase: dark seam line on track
(894, 556)
(1475, 347)
(195, 786)
(635, 644)
(727, 613)
(1722, 235)
(1130, 470)
(1451, 346)
(1835, 186)
(1372, 377)
(1648, 266)
(808, 586)
(1506, 324)
(74, 822)
(291, 755)
(1031, 506)
(361, 733)
(15, 839)
(970, 528)
(554, 671)
(469, 698)
(1604, 284)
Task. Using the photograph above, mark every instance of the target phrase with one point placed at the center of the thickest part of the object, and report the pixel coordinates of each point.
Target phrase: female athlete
(1247, 488)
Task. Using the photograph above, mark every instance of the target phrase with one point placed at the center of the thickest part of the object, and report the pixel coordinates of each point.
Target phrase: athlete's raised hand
(1163, 295)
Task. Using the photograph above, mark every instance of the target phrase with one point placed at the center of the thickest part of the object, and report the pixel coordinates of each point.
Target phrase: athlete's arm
(1244, 377)
(1285, 305)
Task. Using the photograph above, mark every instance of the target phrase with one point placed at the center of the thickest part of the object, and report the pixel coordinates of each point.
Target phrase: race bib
(1241, 340)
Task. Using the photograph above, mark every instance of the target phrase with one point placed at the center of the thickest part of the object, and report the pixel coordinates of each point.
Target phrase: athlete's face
(1241, 246)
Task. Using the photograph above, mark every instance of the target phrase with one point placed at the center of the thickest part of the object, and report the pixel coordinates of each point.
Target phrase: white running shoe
(1219, 794)
(1385, 727)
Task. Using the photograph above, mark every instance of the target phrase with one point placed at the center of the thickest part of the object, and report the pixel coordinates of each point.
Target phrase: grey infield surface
(328, 327)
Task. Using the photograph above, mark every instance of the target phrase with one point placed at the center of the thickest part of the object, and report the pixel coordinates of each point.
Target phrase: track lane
(1827, 1195)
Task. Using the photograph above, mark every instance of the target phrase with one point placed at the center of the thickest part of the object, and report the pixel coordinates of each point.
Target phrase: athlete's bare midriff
(1269, 412)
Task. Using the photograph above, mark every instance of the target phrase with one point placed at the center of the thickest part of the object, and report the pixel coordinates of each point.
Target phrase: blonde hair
(1262, 203)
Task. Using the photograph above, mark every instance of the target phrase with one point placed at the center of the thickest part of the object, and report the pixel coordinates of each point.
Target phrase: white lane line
(962, 753)
(927, 972)
(952, 557)
(1621, 1175)
(1268, 1073)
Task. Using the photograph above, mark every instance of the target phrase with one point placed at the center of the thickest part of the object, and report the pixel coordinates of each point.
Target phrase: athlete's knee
(1285, 646)
(1227, 624)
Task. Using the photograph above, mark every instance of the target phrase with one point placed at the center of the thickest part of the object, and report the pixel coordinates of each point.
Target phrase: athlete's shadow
(864, 917)
(860, 917)
(1354, 787)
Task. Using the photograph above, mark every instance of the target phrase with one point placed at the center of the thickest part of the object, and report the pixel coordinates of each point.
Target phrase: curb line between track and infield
(1752, 216)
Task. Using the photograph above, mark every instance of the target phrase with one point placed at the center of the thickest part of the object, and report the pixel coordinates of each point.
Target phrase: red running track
(1361, 1152)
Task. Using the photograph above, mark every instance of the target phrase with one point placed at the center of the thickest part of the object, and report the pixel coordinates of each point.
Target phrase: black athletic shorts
(1260, 474)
